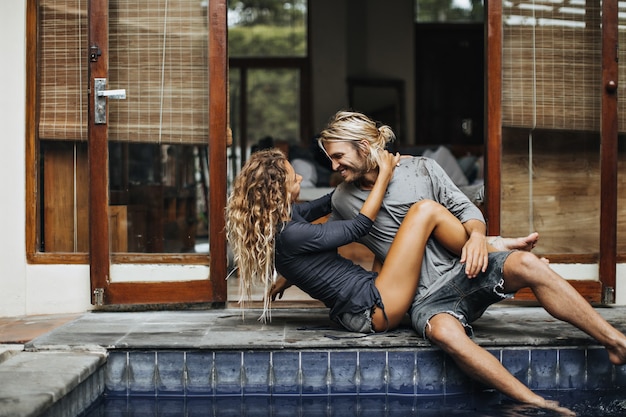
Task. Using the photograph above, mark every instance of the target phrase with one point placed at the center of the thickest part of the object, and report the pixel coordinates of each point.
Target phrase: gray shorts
(357, 322)
(464, 298)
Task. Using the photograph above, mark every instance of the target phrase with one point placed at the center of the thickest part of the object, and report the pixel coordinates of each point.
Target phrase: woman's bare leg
(399, 276)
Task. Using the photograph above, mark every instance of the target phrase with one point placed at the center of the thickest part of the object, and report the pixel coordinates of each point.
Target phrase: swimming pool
(484, 404)
(367, 382)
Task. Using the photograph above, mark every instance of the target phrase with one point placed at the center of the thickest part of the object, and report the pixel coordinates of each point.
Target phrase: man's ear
(365, 146)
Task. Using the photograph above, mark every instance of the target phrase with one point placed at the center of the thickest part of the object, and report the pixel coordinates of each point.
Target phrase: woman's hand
(279, 288)
(388, 162)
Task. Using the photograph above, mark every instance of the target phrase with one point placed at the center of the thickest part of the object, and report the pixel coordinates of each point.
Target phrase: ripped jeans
(464, 298)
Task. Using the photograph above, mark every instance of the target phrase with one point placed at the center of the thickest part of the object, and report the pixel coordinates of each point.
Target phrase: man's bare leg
(448, 333)
(561, 300)
(514, 243)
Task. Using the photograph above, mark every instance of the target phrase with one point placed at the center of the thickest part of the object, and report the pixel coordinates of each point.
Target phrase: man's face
(346, 160)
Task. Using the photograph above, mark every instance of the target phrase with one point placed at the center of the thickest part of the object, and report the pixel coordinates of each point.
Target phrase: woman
(267, 231)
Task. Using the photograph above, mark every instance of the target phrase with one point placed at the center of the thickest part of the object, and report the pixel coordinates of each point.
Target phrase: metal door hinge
(98, 297)
(608, 297)
(94, 53)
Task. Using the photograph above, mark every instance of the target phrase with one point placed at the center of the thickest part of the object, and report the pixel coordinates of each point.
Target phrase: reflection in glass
(272, 28)
(158, 135)
(158, 196)
(449, 11)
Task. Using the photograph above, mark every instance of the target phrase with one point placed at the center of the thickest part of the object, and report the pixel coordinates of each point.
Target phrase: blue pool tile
(456, 381)
(315, 406)
(116, 380)
(314, 367)
(142, 407)
(199, 407)
(142, 375)
(572, 365)
(599, 369)
(256, 367)
(372, 371)
(169, 407)
(430, 372)
(228, 366)
(620, 376)
(404, 407)
(343, 373)
(199, 369)
(372, 406)
(226, 407)
(543, 369)
(286, 373)
(401, 372)
(171, 373)
(284, 406)
(344, 406)
(517, 362)
(257, 406)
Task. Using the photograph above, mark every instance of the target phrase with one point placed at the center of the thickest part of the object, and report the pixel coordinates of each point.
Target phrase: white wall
(12, 102)
(25, 289)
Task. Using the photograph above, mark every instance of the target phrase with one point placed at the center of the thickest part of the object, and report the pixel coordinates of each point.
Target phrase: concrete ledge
(8, 351)
(32, 382)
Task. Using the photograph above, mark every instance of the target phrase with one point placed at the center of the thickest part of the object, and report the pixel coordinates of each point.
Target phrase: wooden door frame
(608, 150)
(105, 292)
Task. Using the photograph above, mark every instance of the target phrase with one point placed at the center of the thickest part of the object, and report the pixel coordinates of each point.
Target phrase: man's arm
(475, 254)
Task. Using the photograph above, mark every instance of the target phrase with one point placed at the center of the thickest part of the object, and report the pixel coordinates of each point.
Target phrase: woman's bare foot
(518, 243)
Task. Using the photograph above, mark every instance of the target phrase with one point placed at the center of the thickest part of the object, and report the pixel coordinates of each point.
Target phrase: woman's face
(293, 182)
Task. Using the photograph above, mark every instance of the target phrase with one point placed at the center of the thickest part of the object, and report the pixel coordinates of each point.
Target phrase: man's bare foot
(519, 243)
(541, 402)
(555, 406)
(617, 353)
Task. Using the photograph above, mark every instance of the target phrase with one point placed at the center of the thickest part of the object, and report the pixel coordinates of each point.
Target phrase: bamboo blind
(621, 92)
(63, 69)
(157, 52)
(551, 64)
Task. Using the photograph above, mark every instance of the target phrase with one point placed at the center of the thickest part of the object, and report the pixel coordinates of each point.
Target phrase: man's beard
(354, 174)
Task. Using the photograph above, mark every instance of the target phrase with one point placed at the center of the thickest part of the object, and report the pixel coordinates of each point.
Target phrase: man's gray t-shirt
(417, 178)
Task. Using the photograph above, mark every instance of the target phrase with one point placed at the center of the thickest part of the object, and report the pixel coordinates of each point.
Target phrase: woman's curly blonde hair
(353, 127)
(257, 206)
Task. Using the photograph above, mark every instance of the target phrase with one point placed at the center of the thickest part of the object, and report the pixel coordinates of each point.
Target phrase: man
(453, 290)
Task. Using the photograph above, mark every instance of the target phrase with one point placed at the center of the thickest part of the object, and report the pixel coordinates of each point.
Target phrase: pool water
(583, 403)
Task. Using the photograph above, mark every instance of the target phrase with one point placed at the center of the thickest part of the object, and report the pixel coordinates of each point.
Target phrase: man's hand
(279, 288)
(475, 255)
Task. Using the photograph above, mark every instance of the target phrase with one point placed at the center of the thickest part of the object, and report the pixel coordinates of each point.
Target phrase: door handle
(100, 99)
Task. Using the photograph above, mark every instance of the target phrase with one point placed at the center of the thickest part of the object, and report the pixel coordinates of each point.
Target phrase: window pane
(450, 11)
(158, 198)
(273, 99)
(267, 28)
(551, 131)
